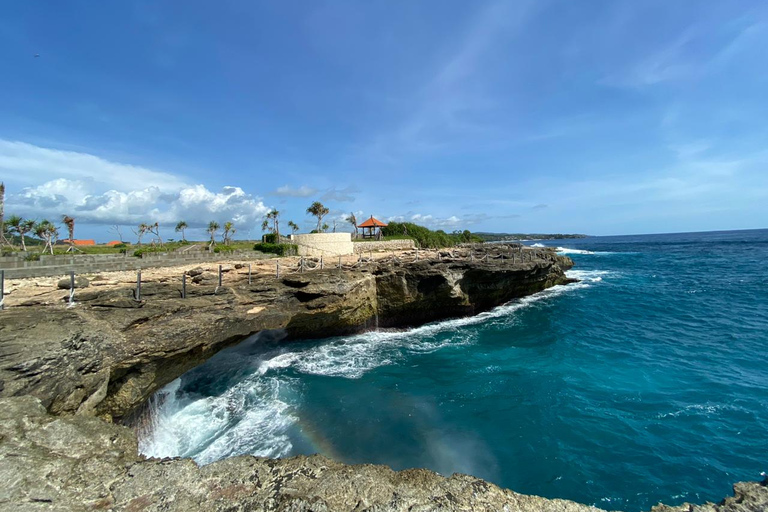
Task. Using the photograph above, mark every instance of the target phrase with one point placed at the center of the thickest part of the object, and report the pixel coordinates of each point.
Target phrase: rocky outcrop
(78, 463)
(109, 353)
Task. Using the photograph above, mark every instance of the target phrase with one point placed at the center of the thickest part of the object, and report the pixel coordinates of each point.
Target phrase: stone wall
(324, 244)
(384, 245)
(16, 267)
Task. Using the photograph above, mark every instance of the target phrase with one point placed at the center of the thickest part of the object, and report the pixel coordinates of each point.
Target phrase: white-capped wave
(566, 250)
(256, 414)
(538, 245)
(589, 276)
(250, 417)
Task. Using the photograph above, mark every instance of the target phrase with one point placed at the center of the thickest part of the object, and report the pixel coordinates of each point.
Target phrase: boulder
(80, 282)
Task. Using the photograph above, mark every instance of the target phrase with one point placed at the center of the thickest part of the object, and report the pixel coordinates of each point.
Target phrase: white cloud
(195, 204)
(30, 165)
(97, 191)
(288, 191)
(343, 195)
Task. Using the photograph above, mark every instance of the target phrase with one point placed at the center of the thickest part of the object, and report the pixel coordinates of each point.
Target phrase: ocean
(646, 381)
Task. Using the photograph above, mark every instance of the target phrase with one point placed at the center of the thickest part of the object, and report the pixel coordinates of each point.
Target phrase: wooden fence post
(184, 285)
(249, 273)
(2, 290)
(138, 285)
(71, 288)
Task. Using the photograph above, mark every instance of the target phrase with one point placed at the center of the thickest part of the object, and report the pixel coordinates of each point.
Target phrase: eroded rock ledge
(61, 367)
(78, 463)
(108, 354)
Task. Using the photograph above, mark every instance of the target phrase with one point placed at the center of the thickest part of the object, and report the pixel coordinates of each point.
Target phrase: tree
(274, 216)
(318, 210)
(21, 227)
(155, 230)
(352, 220)
(213, 227)
(294, 227)
(116, 229)
(180, 227)
(70, 223)
(229, 230)
(48, 232)
(143, 228)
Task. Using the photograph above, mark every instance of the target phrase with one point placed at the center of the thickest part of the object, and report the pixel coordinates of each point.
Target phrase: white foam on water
(256, 414)
(589, 276)
(249, 417)
(538, 245)
(566, 250)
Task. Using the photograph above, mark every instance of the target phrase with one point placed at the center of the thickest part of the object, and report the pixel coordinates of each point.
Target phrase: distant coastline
(511, 237)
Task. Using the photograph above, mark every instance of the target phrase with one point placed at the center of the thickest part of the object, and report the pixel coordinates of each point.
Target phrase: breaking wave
(254, 407)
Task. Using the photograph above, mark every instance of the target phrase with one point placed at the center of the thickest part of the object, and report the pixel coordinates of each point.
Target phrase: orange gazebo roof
(372, 223)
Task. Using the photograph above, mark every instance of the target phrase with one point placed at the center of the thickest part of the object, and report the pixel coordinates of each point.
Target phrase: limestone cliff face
(60, 367)
(107, 355)
(76, 463)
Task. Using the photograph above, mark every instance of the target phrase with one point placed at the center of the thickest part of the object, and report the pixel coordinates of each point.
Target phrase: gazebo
(373, 226)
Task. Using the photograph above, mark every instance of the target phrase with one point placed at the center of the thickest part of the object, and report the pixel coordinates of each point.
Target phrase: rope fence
(498, 255)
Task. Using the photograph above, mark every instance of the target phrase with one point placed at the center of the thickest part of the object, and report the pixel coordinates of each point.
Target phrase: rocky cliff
(109, 353)
(76, 463)
(61, 367)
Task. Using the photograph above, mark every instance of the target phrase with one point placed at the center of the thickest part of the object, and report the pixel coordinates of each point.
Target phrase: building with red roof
(373, 226)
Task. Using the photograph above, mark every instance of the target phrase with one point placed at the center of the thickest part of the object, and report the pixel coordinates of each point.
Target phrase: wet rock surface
(63, 371)
(78, 463)
(110, 352)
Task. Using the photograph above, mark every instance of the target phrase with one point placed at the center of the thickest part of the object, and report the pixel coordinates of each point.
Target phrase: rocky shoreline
(63, 371)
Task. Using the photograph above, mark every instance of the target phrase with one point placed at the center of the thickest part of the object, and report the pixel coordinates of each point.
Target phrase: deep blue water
(645, 382)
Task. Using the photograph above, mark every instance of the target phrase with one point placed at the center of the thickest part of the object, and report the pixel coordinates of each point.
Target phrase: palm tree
(143, 228)
(155, 230)
(48, 232)
(274, 217)
(70, 223)
(352, 219)
(213, 227)
(181, 226)
(294, 227)
(318, 210)
(229, 230)
(22, 227)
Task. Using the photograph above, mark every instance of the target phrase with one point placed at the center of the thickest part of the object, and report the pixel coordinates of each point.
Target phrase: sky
(600, 117)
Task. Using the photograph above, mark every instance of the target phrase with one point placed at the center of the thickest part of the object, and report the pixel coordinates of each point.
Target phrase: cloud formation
(97, 191)
(288, 191)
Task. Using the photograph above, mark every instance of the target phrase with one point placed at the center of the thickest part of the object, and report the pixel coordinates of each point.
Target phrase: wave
(566, 250)
(257, 413)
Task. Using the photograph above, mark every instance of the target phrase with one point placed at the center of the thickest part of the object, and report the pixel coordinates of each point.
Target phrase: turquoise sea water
(645, 382)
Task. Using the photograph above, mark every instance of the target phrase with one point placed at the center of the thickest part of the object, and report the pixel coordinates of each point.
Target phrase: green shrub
(223, 248)
(119, 246)
(32, 257)
(147, 250)
(269, 238)
(279, 249)
(7, 251)
(426, 238)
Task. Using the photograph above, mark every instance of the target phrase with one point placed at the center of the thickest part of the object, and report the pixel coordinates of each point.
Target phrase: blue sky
(600, 117)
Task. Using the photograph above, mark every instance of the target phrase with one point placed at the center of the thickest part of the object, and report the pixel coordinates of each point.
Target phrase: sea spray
(561, 394)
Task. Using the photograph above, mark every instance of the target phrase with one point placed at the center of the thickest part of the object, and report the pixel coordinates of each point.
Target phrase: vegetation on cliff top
(425, 237)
